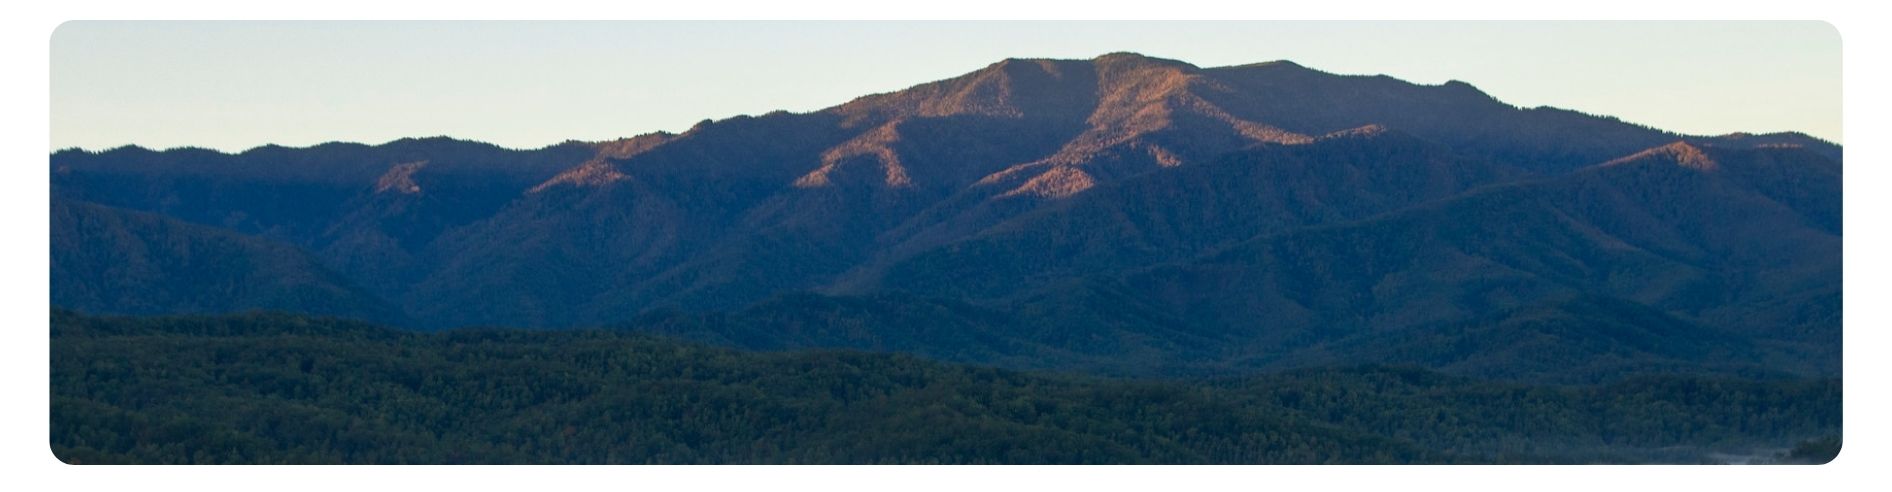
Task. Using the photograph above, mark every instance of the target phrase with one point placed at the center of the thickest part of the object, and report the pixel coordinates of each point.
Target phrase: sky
(236, 85)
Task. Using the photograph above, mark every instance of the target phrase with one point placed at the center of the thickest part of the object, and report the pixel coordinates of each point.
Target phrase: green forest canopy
(269, 388)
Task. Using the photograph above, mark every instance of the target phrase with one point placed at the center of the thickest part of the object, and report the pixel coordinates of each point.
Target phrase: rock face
(1041, 212)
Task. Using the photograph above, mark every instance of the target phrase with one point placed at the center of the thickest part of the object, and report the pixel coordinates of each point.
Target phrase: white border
(23, 426)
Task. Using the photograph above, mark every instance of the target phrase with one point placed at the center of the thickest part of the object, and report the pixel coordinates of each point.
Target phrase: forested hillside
(266, 388)
(122, 261)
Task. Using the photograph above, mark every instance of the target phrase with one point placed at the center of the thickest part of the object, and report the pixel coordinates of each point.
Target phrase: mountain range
(1122, 215)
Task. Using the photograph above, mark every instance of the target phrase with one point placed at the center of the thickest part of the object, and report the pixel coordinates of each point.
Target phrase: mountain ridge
(1057, 191)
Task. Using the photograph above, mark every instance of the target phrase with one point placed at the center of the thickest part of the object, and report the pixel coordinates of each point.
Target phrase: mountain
(1703, 235)
(110, 260)
(1180, 213)
(367, 211)
(1123, 214)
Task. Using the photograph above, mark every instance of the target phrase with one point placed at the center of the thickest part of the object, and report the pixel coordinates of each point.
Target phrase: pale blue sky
(235, 85)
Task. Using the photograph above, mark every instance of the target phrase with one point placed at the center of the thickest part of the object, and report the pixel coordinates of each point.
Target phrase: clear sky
(235, 85)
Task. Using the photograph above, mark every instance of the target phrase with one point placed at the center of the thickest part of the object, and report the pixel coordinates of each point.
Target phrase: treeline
(267, 388)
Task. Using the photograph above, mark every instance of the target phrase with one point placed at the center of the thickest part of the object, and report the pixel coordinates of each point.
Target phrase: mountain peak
(1464, 88)
(1123, 57)
(1009, 88)
(1284, 64)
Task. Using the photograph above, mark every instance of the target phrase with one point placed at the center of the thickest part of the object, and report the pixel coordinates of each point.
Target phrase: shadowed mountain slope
(110, 260)
(1705, 243)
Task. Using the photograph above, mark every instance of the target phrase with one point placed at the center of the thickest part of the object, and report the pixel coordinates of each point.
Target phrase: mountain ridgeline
(1120, 215)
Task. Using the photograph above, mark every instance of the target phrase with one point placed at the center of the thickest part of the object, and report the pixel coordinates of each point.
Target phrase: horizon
(856, 98)
(231, 99)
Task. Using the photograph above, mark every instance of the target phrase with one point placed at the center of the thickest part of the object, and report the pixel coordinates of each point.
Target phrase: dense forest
(279, 388)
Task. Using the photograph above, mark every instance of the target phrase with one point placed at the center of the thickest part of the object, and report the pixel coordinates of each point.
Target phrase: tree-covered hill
(268, 388)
